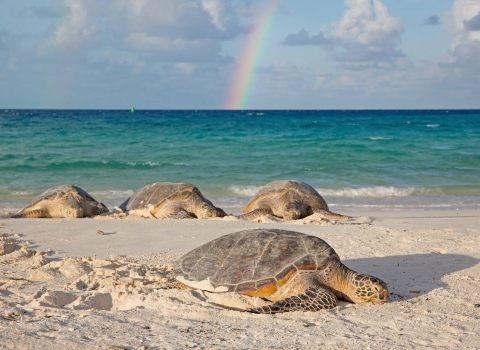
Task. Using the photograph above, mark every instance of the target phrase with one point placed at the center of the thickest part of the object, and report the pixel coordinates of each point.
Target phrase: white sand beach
(65, 286)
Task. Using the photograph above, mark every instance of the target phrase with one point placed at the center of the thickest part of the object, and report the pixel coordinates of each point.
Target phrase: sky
(240, 54)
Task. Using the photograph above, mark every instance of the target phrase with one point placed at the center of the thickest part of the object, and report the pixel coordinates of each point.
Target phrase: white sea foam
(373, 192)
(112, 194)
(433, 125)
(152, 164)
(366, 192)
(181, 164)
(378, 138)
(21, 193)
(9, 207)
(245, 190)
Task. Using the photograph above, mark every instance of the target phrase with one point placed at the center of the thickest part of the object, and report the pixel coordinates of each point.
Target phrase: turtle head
(209, 211)
(101, 209)
(74, 212)
(367, 289)
(291, 211)
(220, 213)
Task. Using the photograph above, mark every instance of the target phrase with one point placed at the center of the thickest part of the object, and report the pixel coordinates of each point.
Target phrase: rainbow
(251, 55)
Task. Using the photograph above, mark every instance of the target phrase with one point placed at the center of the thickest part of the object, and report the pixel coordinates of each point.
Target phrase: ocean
(381, 159)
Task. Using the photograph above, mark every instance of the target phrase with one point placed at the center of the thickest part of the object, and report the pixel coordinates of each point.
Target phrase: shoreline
(66, 286)
(74, 237)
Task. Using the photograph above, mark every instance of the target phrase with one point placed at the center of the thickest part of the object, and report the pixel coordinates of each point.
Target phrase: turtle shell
(58, 192)
(277, 189)
(252, 262)
(157, 193)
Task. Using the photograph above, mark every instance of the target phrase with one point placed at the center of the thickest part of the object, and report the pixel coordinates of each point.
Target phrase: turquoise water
(394, 159)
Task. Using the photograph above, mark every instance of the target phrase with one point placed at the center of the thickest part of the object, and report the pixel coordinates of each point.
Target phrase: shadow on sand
(420, 273)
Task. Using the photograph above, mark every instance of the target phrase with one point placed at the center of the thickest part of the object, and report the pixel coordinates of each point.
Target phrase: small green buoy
(132, 110)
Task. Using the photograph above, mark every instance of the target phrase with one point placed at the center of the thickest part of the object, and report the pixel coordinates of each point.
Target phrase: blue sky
(182, 54)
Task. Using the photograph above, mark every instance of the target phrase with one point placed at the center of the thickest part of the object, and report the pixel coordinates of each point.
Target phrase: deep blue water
(418, 159)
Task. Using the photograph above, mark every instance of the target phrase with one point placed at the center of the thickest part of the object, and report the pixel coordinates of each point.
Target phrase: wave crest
(112, 193)
(374, 192)
(21, 193)
(149, 163)
(245, 190)
(379, 138)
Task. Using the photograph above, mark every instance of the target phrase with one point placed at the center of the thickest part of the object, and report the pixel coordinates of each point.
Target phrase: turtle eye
(378, 288)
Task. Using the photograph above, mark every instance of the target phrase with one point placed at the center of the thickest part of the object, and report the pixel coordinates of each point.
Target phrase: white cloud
(176, 28)
(76, 30)
(370, 35)
(185, 68)
(366, 36)
(368, 22)
(463, 57)
(460, 19)
(216, 9)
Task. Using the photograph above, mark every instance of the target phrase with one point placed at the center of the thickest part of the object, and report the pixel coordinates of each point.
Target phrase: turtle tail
(37, 213)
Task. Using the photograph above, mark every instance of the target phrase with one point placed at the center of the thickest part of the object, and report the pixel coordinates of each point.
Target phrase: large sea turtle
(64, 201)
(172, 200)
(292, 270)
(288, 199)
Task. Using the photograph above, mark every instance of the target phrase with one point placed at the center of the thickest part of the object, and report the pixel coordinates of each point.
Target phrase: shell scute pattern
(290, 200)
(246, 287)
(278, 254)
(266, 287)
(248, 262)
(63, 201)
(158, 193)
(189, 262)
(284, 276)
(276, 189)
(292, 270)
(175, 200)
(308, 262)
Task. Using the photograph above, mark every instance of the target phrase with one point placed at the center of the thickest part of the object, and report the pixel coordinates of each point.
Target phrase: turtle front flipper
(328, 214)
(174, 284)
(32, 214)
(314, 299)
(254, 214)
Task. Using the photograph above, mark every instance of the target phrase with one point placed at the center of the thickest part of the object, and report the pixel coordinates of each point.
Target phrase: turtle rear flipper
(37, 213)
(313, 299)
(254, 214)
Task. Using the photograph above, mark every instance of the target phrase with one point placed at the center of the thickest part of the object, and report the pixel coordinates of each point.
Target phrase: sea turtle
(292, 270)
(288, 199)
(64, 201)
(172, 200)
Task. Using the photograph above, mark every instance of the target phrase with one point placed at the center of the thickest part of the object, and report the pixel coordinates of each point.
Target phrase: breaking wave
(366, 192)
(245, 190)
(378, 138)
(377, 192)
(21, 193)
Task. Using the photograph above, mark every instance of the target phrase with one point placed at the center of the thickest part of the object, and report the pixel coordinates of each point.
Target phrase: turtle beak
(382, 297)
